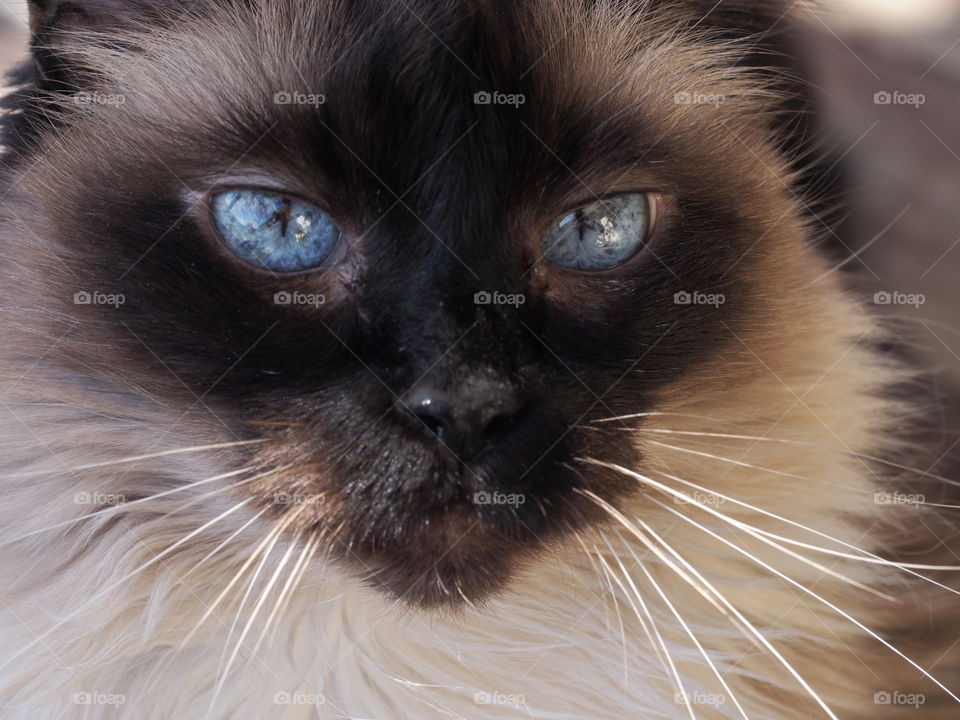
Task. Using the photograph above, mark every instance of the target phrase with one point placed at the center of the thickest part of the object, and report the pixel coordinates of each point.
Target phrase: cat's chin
(453, 561)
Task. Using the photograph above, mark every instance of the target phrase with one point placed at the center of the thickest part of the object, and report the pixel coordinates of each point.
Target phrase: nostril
(464, 422)
(433, 423)
(435, 413)
(502, 421)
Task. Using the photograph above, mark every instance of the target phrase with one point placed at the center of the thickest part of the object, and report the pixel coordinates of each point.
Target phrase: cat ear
(54, 24)
(773, 36)
(49, 15)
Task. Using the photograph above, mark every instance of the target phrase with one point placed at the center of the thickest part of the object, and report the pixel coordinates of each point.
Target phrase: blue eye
(599, 236)
(272, 231)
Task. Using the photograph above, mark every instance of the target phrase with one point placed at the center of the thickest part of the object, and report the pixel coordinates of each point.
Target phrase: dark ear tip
(43, 13)
(59, 14)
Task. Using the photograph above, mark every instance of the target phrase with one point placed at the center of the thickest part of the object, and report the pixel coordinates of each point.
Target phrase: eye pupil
(273, 232)
(608, 233)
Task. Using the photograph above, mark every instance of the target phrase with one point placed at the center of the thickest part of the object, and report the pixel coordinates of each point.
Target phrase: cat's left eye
(272, 231)
(602, 235)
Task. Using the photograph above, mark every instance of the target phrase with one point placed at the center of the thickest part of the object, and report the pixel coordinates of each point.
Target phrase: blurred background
(888, 72)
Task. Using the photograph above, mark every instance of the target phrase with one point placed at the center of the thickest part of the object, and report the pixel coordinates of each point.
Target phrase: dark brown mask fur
(440, 198)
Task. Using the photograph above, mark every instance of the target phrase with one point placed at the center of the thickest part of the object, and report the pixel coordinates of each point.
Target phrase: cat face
(422, 391)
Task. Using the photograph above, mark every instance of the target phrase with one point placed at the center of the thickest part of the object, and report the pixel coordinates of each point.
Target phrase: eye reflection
(599, 236)
(272, 231)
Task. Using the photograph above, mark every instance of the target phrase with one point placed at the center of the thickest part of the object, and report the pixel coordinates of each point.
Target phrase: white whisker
(269, 546)
(811, 593)
(801, 443)
(222, 545)
(623, 632)
(623, 520)
(296, 573)
(671, 669)
(134, 458)
(597, 570)
(283, 562)
(119, 506)
(868, 557)
(223, 593)
(683, 623)
(756, 633)
(260, 603)
(97, 596)
(741, 463)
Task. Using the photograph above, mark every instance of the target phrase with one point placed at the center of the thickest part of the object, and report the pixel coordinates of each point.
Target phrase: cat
(445, 358)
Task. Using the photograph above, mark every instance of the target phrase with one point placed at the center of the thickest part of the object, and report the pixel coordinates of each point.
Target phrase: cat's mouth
(460, 548)
(428, 527)
(449, 544)
(453, 558)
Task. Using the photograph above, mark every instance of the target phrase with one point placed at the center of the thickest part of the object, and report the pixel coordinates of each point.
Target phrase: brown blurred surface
(12, 41)
(904, 167)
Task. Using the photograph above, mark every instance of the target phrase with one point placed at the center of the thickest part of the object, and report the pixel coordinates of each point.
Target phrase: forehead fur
(400, 78)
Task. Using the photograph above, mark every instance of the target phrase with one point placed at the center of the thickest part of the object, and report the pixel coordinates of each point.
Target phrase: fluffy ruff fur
(748, 572)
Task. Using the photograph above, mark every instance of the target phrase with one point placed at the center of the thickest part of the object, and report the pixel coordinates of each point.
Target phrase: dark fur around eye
(411, 390)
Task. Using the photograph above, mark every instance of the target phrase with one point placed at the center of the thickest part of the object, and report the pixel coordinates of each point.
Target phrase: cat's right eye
(602, 235)
(272, 231)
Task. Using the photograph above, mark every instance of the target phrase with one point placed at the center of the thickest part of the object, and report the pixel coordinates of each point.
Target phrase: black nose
(468, 417)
